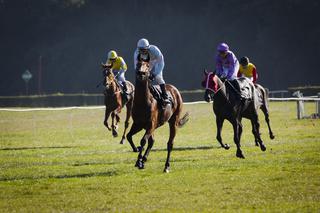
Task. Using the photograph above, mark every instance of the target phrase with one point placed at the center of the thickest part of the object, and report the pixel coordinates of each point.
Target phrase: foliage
(67, 161)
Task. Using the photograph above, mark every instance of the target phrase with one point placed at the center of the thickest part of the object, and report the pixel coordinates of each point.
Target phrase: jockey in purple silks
(227, 67)
(227, 64)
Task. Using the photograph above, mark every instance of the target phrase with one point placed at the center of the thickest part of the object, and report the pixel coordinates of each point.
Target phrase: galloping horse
(148, 114)
(228, 105)
(114, 102)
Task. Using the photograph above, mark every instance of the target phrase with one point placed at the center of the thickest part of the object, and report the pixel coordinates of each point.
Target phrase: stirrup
(166, 101)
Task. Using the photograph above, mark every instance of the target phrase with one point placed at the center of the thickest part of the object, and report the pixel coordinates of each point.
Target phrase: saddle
(243, 88)
(125, 97)
(157, 94)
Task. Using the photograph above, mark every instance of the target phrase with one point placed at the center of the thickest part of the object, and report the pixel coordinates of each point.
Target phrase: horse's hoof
(140, 149)
(263, 147)
(114, 134)
(122, 141)
(144, 159)
(166, 170)
(226, 146)
(140, 165)
(240, 155)
(272, 137)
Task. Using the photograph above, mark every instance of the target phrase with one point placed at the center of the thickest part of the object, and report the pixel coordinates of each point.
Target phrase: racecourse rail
(102, 107)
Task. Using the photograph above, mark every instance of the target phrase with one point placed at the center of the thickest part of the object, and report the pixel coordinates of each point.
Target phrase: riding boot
(164, 93)
(125, 88)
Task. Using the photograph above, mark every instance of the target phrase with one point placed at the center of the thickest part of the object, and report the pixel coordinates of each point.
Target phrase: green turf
(66, 161)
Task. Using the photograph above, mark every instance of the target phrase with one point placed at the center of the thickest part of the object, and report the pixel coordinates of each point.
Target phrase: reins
(218, 89)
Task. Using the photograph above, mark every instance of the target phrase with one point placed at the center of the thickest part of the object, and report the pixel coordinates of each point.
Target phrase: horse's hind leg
(219, 122)
(266, 115)
(134, 129)
(254, 133)
(126, 123)
(106, 116)
(255, 121)
(173, 131)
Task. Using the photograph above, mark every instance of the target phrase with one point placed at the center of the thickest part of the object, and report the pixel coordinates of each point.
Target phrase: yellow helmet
(112, 55)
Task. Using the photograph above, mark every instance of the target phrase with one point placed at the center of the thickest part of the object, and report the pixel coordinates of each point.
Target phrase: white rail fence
(300, 100)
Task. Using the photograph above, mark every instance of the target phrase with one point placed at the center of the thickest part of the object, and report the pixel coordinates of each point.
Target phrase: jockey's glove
(223, 78)
(151, 77)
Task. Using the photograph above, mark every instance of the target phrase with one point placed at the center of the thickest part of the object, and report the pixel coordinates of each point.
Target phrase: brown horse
(149, 114)
(114, 102)
(228, 105)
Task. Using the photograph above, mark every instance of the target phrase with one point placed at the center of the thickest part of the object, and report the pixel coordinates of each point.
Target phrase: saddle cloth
(157, 94)
(245, 87)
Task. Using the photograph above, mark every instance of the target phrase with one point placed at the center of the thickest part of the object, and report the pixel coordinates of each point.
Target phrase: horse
(149, 114)
(228, 105)
(114, 102)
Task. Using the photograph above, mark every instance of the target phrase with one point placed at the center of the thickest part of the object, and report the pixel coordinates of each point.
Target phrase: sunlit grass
(67, 161)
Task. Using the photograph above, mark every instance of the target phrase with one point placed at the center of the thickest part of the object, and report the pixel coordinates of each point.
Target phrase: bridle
(213, 90)
(142, 70)
(109, 79)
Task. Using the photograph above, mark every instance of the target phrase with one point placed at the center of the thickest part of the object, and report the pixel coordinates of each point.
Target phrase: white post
(300, 106)
(318, 105)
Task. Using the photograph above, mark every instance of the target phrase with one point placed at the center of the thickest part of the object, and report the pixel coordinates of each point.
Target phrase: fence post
(318, 105)
(300, 106)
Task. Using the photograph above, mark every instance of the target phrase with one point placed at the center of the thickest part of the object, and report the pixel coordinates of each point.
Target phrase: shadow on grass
(186, 148)
(66, 176)
(40, 147)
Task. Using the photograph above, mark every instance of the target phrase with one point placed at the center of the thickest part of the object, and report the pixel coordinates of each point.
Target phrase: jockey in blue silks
(153, 55)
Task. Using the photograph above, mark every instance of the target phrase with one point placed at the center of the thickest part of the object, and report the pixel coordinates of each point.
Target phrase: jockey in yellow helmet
(119, 67)
(247, 69)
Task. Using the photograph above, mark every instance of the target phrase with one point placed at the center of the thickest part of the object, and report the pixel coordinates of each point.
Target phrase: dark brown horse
(148, 114)
(228, 105)
(114, 102)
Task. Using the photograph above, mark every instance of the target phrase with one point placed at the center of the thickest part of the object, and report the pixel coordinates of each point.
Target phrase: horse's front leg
(237, 127)
(219, 122)
(143, 141)
(150, 145)
(134, 129)
(114, 124)
(106, 116)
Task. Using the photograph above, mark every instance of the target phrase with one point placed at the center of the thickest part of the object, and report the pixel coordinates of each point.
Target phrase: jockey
(152, 54)
(119, 67)
(248, 70)
(227, 64)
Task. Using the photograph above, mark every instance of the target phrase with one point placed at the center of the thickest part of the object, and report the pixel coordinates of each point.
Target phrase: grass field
(66, 161)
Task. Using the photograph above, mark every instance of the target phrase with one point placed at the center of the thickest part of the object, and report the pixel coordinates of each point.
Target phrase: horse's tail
(183, 120)
(264, 92)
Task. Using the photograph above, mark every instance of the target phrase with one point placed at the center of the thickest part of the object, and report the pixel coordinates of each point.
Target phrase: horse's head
(142, 70)
(109, 77)
(210, 84)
